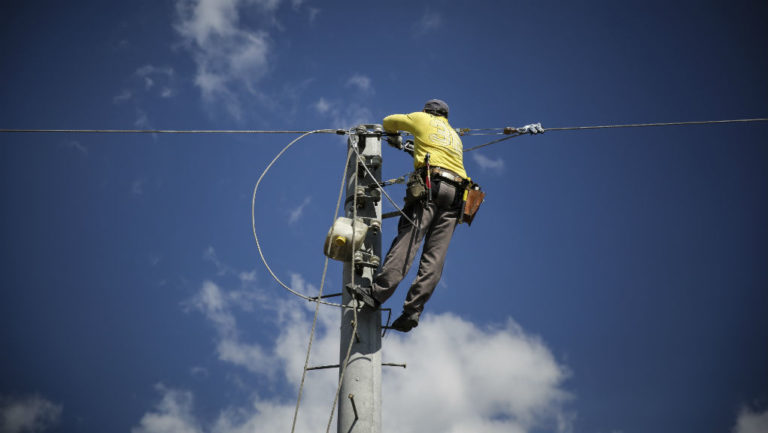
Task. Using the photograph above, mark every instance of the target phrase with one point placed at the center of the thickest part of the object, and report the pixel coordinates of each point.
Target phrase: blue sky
(615, 281)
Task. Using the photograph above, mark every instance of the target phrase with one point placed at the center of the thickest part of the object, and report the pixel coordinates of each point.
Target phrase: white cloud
(751, 422)
(172, 415)
(198, 371)
(322, 106)
(344, 115)
(217, 306)
(31, 414)
(486, 163)
(210, 255)
(429, 21)
(479, 379)
(154, 259)
(296, 213)
(142, 120)
(125, 95)
(486, 379)
(313, 13)
(137, 187)
(229, 56)
(247, 277)
(361, 82)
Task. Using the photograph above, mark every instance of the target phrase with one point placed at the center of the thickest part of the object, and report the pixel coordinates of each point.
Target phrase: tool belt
(447, 175)
(472, 195)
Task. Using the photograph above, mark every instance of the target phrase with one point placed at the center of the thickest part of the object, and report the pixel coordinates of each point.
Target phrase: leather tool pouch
(416, 188)
(475, 198)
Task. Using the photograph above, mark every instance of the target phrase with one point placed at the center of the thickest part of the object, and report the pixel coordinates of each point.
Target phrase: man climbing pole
(434, 202)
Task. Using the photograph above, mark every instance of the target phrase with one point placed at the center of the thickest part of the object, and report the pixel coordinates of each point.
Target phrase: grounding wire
(319, 295)
(253, 220)
(381, 188)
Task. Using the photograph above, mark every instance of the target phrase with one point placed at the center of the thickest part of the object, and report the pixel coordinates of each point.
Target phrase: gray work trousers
(435, 223)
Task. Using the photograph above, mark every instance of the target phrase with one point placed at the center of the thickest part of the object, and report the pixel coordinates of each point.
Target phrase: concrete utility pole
(360, 395)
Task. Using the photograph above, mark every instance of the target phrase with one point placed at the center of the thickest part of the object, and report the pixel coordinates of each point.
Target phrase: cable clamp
(532, 128)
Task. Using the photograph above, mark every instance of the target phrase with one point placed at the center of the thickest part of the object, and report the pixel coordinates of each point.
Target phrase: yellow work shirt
(434, 135)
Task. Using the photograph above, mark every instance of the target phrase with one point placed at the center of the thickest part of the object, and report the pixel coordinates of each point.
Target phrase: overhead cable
(177, 131)
(515, 132)
(642, 125)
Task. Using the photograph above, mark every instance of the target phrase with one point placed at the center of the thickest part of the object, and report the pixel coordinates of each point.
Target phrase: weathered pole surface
(360, 394)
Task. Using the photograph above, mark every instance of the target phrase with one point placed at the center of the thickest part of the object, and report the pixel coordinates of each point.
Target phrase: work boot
(363, 294)
(406, 322)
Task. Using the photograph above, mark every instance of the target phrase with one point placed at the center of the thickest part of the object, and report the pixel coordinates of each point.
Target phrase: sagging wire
(253, 219)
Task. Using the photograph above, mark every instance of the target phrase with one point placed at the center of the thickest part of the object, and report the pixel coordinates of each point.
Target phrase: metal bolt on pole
(361, 412)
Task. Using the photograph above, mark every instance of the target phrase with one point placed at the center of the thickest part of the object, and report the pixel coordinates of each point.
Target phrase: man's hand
(408, 147)
(395, 141)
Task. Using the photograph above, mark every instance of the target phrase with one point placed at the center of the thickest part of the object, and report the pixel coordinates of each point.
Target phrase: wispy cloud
(486, 163)
(160, 77)
(322, 106)
(217, 306)
(296, 213)
(142, 119)
(76, 145)
(125, 95)
(361, 82)
(344, 115)
(229, 56)
(173, 414)
(313, 13)
(224, 269)
(429, 22)
(30, 414)
(137, 187)
(751, 421)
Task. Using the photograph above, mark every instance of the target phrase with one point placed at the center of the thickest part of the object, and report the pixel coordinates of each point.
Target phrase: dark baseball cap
(436, 106)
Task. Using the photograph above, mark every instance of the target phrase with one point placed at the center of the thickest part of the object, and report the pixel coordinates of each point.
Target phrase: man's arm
(398, 122)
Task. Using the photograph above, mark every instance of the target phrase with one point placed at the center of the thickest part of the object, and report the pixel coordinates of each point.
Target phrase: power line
(175, 131)
(641, 125)
(513, 132)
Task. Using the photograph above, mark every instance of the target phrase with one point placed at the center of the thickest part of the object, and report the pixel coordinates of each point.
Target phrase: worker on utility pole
(434, 203)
